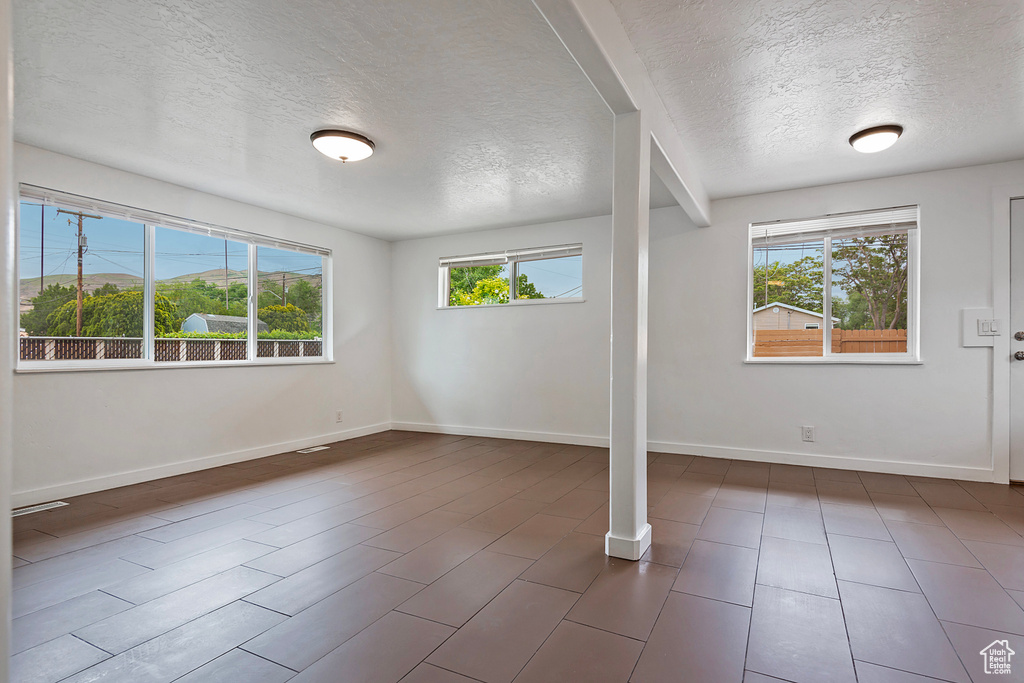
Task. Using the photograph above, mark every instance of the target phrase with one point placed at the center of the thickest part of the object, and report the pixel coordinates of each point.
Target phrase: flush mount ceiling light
(342, 144)
(876, 139)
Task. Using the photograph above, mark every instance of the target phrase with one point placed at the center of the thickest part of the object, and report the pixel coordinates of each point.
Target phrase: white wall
(83, 431)
(535, 371)
(542, 372)
(931, 419)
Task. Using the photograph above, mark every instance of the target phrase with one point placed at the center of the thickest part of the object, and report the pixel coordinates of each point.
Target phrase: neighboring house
(207, 322)
(776, 316)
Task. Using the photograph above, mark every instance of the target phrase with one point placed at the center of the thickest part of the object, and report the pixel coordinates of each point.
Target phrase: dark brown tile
(625, 598)
(670, 541)
(796, 566)
(689, 628)
(978, 526)
(1004, 562)
(157, 555)
(899, 630)
(850, 520)
(548, 490)
(791, 474)
(428, 673)
(184, 649)
(967, 596)
(572, 564)
(703, 465)
(175, 576)
(931, 543)
(719, 572)
(458, 595)
(698, 484)
(34, 552)
(302, 589)
(798, 637)
(506, 516)
(578, 504)
(734, 527)
(826, 474)
(886, 483)
(534, 537)
(578, 653)
(414, 533)
(677, 506)
(946, 494)
(312, 633)
(55, 660)
(237, 666)
(432, 560)
(498, 642)
(129, 628)
(304, 527)
(900, 508)
(970, 642)
(741, 497)
(872, 673)
(794, 524)
(878, 563)
(843, 493)
(55, 591)
(994, 494)
(785, 494)
(298, 556)
(391, 516)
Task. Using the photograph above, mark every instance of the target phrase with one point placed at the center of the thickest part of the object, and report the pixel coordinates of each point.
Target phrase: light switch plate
(978, 327)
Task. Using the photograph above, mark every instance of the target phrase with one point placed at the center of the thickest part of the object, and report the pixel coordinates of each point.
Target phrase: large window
(551, 274)
(102, 285)
(841, 288)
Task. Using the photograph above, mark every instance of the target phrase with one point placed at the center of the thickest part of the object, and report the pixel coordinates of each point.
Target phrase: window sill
(30, 367)
(517, 303)
(860, 360)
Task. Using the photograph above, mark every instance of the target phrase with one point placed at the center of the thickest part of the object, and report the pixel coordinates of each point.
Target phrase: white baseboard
(518, 435)
(916, 469)
(78, 488)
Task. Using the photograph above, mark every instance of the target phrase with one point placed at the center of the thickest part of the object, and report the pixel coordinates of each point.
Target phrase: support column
(630, 534)
(8, 327)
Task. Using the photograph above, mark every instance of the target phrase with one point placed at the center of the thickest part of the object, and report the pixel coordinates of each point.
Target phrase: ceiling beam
(593, 34)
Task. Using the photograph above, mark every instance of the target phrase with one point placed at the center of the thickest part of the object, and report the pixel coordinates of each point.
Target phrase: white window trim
(511, 258)
(150, 221)
(824, 227)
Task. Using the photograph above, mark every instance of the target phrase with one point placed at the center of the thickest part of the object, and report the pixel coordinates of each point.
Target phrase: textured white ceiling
(480, 116)
(766, 93)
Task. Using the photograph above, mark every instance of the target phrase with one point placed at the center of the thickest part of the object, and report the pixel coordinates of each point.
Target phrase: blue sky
(116, 246)
(560, 277)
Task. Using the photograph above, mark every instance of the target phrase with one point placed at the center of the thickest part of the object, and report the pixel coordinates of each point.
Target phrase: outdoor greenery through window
(835, 286)
(552, 273)
(86, 267)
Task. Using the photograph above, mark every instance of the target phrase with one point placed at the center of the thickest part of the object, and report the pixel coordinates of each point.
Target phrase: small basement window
(539, 275)
(856, 271)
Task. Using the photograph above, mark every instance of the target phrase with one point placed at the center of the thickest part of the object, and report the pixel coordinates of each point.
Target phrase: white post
(630, 534)
(8, 327)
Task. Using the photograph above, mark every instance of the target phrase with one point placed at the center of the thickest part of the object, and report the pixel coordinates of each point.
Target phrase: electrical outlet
(338, 417)
(807, 433)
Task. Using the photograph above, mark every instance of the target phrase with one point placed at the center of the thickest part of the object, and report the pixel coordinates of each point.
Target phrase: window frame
(151, 220)
(511, 259)
(825, 228)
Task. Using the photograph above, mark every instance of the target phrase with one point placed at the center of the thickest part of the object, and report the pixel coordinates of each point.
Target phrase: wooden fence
(119, 348)
(796, 343)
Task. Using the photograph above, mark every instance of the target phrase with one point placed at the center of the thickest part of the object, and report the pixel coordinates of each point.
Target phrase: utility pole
(82, 248)
(284, 292)
(226, 303)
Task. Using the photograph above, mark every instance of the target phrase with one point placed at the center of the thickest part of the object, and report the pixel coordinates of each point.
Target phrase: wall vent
(38, 508)
(313, 449)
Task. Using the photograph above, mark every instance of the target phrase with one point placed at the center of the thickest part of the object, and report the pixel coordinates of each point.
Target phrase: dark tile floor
(426, 558)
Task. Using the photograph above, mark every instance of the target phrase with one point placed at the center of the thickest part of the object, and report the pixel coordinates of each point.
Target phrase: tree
(106, 289)
(875, 268)
(48, 301)
(111, 315)
(478, 285)
(800, 284)
(289, 318)
(526, 289)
